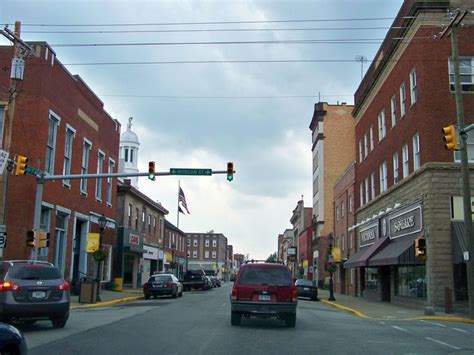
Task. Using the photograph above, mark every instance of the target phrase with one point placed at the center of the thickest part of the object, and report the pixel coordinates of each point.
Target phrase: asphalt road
(199, 323)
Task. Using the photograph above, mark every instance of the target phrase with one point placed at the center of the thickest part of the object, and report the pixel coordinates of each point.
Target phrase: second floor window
(383, 177)
(403, 98)
(214, 254)
(85, 164)
(207, 243)
(413, 87)
(214, 243)
(416, 152)
(393, 110)
(405, 157)
(366, 182)
(366, 146)
(381, 121)
(195, 254)
(371, 138)
(195, 243)
(372, 184)
(396, 169)
(206, 254)
(361, 194)
(98, 182)
(466, 65)
(351, 203)
(360, 151)
(70, 132)
(129, 214)
(109, 182)
(53, 123)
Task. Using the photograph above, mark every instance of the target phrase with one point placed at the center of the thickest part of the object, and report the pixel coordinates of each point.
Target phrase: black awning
(459, 241)
(400, 251)
(360, 258)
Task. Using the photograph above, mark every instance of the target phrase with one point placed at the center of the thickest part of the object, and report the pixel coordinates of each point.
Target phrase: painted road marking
(443, 343)
(437, 324)
(400, 328)
(460, 330)
(382, 322)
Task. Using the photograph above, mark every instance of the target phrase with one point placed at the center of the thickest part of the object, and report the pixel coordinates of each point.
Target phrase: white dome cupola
(129, 145)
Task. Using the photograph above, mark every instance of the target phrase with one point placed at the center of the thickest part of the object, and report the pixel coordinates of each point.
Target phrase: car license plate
(306, 288)
(38, 294)
(264, 297)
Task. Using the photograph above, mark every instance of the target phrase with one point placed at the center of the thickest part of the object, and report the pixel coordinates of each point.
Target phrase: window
(366, 182)
(343, 208)
(207, 243)
(70, 132)
(381, 121)
(189, 253)
(371, 137)
(109, 182)
(372, 184)
(85, 164)
(343, 242)
(416, 152)
(2, 124)
(206, 254)
(131, 155)
(383, 177)
(100, 170)
(360, 151)
(351, 237)
(351, 203)
(45, 221)
(403, 99)
(396, 169)
(361, 194)
(214, 254)
(467, 74)
(143, 218)
(137, 214)
(129, 214)
(53, 123)
(149, 223)
(126, 155)
(337, 213)
(189, 242)
(393, 110)
(410, 281)
(195, 243)
(154, 225)
(195, 254)
(371, 278)
(413, 87)
(366, 146)
(405, 160)
(214, 243)
(470, 148)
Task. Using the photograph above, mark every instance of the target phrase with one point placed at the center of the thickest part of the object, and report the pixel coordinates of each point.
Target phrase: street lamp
(330, 268)
(102, 221)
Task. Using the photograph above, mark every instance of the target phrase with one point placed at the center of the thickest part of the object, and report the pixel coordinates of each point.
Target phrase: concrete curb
(109, 303)
(362, 315)
(132, 291)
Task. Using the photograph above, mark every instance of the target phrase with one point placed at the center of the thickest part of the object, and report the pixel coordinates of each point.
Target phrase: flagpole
(177, 212)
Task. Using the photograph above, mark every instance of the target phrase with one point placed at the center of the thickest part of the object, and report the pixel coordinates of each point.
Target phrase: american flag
(182, 199)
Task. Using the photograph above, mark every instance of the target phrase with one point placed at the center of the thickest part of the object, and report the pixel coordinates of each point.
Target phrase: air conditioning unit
(18, 68)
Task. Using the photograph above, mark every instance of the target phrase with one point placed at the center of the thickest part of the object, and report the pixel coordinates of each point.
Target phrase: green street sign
(179, 171)
(31, 171)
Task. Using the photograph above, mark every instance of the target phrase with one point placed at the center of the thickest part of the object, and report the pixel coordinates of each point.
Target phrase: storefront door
(385, 276)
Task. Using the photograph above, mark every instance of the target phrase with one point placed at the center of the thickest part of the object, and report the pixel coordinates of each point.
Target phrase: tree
(272, 258)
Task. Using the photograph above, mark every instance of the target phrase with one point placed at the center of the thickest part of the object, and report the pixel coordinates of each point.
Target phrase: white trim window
(372, 184)
(195, 243)
(53, 124)
(383, 177)
(366, 185)
(207, 243)
(351, 203)
(214, 254)
(110, 170)
(393, 110)
(396, 168)
(366, 146)
(371, 134)
(361, 194)
(343, 209)
(360, 151)
(195, 254)
(214, 243)
(466, 65)
(206, 254)
(2, 124)
(413, 86)
(405, 157)
(381, 121)
(416, 152)
(403, 99)
(100, 170)
(470, 149)
(68, 141)
(85, 164)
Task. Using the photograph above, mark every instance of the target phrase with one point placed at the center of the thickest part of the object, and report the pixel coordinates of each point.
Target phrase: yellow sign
(305, 263)
(336, 255)
(169, 257)
(92, 242)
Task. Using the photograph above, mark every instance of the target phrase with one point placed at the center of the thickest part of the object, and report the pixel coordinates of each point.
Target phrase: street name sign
(180, 171)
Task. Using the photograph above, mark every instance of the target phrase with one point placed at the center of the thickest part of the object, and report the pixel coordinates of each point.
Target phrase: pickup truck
(194, 279)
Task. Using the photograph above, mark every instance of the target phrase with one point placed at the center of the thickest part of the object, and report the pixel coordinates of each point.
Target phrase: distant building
(207, 251)
(175, 248)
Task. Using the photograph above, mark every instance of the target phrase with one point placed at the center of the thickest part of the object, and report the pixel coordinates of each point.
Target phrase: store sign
(368, 235)
(291, 251)
(407, 221)
(134, 239)
(150, 253)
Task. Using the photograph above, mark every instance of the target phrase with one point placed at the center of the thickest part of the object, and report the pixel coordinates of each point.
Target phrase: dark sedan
(306, 288)
(161, 285)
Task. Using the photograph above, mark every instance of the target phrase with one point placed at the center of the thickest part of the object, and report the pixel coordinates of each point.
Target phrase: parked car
(264, 290)
(11, 340)
(307, 288)
(209, 283)
(31, 291)
(162, 284)
(194, 279)
(218, 282)
(215, 281)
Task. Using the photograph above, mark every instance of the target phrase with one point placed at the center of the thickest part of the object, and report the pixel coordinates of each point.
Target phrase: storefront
(150, 261)
(129, 264)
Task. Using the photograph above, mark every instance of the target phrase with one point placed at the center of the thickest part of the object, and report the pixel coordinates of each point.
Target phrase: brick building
(62, 127)
(406, 184)
(175, 247)
(207, 251)
(332, 128)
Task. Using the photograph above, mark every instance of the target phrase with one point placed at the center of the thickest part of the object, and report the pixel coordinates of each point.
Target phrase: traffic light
(21, 165)
(420, 247)
(230, 171)
(151, 170)
(30, 238)
(451, 138)
(43, 240)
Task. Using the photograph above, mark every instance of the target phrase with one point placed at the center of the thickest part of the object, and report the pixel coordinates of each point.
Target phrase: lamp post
(102, 221)
(330, 268)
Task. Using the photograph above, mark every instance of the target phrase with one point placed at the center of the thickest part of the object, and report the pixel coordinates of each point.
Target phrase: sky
(245, 109)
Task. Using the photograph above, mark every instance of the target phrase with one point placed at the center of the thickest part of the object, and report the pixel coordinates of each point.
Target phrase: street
(200, 323)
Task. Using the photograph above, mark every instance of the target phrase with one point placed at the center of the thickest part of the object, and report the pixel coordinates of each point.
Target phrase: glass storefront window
(410, 281)
(371, 278)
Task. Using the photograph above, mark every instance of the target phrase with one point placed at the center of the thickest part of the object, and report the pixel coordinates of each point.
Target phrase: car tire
(235, 318)
(59, 322)
(147, 296)
(290, 320)
(180, 294)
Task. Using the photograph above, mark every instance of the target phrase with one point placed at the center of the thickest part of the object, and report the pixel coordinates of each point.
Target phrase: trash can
(88, 291)
(118, 284)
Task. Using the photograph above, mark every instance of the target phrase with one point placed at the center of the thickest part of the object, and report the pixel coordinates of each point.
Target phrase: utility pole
(453, 27)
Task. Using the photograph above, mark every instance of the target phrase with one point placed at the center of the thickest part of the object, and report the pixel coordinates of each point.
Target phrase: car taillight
(9, 286)
(146, 286)
(170, 285)
(234, 294)
(64, 286)
(294, 296)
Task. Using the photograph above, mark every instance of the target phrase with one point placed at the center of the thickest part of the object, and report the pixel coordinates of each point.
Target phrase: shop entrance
(385, 276)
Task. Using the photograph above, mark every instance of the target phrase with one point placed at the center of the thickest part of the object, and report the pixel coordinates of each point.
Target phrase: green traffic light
(230, 177)
(151, 177)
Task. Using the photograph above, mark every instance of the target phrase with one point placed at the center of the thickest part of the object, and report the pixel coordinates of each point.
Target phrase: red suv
(264, 290)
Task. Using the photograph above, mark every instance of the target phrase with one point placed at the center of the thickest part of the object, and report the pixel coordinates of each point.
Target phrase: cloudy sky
(245, 108)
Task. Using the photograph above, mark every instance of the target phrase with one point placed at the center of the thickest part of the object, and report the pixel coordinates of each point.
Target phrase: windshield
(265, 276)
(160, 278)
(304, 282)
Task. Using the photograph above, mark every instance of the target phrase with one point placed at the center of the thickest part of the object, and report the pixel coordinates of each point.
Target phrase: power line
(207, 23)
(224, 97)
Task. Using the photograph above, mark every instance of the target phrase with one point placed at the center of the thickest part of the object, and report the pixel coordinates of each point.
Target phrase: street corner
(107, 303)
(345, 308)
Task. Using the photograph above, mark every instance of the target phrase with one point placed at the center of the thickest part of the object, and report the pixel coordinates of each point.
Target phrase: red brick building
(175, 247)
(406, 182)
(62, 127)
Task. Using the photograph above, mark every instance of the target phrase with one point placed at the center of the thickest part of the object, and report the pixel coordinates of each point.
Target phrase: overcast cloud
(267, 138)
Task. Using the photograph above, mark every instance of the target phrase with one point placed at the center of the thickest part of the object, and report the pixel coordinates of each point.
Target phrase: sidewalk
(384, 310)
(108, 298)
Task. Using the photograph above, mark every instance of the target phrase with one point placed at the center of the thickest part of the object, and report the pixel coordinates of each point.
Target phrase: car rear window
(33, 272)
(265, 276)
(304, 283)
(160, 278)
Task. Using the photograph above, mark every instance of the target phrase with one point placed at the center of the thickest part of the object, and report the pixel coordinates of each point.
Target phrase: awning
(360, 258)
(459, 241)
(400, 251)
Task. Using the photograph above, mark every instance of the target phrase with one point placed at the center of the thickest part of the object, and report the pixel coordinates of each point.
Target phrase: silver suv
(31, 291)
